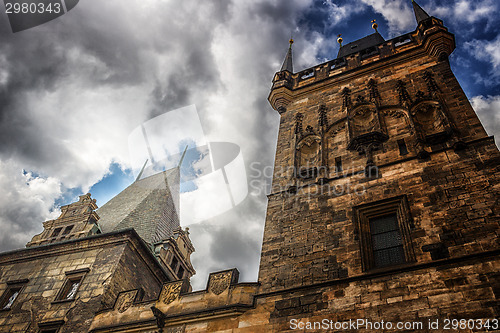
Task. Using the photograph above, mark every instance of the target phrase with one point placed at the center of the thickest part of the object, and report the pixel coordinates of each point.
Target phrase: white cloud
(337, 13)
(71, 91)
(398, 14)
(486, 51)
(27, 201)
(488, 111)
(466, 11)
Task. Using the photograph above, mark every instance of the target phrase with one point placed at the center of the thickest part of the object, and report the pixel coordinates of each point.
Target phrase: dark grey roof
(361, 44)
(420, 14)
(288, 63)
(147, 205)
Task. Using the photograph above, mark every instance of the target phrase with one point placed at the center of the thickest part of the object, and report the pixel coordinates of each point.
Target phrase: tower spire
(288, 63)
(420, 14)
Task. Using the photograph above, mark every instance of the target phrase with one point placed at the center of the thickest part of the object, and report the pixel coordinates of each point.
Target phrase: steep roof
(288, 62)
(147, 205)
(361, 44)
(420, 14)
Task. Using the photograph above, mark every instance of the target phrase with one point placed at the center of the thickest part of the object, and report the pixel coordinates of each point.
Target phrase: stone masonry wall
(111, 264)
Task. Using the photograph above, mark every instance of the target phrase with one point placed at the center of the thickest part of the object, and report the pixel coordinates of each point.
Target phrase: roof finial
(375, 25)
(340, 39)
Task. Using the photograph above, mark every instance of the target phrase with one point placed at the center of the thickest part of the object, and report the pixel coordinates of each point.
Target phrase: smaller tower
(76, 220)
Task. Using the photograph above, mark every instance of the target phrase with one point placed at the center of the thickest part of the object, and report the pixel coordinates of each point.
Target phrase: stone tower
(384, 170)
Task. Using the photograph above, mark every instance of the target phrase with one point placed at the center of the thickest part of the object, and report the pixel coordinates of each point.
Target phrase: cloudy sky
(73, 90)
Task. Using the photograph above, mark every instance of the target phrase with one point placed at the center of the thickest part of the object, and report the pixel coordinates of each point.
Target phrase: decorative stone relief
(363, 121)
(322, 117)
(432, 124)
(298, 124)
(125, 300)
(308, 156)
(171, 292)
(432, 86)
(374, 93)
(404, 96)
(219, 282)
(346, 98)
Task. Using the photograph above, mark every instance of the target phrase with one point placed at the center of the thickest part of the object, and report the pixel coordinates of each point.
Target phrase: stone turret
(77, 220)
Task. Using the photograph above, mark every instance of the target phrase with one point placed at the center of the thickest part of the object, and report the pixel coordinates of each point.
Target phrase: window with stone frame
(383, 229)
(68, 229)
(50, 326)
(56, 232)
(11, 294)
(71, 285)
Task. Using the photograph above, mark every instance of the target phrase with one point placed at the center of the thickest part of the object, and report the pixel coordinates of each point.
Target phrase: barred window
(386, 241)
(383, 229)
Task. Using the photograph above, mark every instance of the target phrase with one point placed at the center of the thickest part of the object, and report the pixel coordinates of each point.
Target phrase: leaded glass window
(386, 241)
(384, 232)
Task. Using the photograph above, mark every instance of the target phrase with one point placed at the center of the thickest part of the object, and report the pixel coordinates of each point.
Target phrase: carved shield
(220, 282)
(125, 300)
(171, 292)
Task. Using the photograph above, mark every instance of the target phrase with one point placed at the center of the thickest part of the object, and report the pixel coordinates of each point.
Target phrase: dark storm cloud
(218, 55)
(92, 51)
(197, 75)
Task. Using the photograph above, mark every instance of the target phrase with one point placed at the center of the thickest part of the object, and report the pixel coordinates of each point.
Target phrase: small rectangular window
(386, 241)
(56, 232)
(403, 150)
(50, 326)
(71, 289)
(338, 164)
(174, 263)
(71, 285)
(67, 230)
(384, 229)
(10, 297)
(11, 294)
(180, 273)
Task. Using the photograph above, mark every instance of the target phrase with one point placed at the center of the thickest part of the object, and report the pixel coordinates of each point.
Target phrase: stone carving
(404, 96)
(171, 292)
(431, 122)
(323, 120)
(125, 300)
(432, 87)
(363, 121)
(360, 99)
(374, 94)
(219, 282)
(346, 97)
(298, 123)
(308, 152)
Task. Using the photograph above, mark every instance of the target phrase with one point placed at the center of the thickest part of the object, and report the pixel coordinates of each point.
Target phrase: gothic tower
(385, 182)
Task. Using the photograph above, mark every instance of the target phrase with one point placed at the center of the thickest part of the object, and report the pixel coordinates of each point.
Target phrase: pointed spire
(288, 64)
(420, 14)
